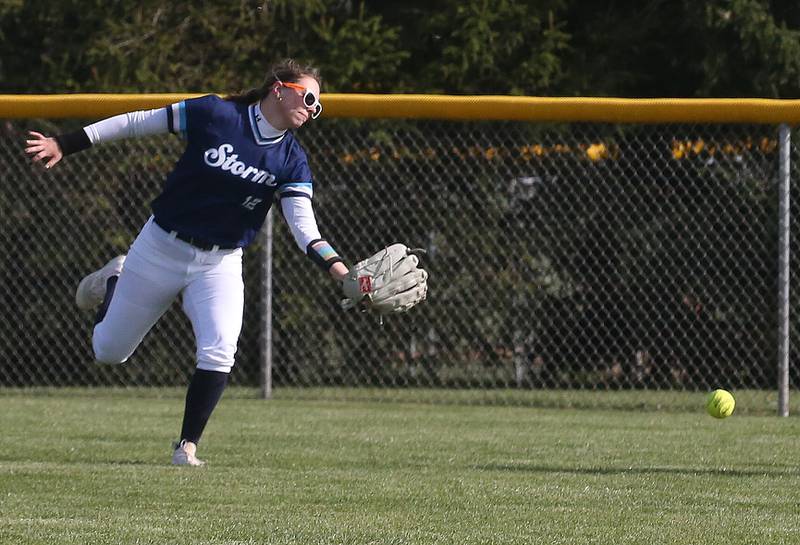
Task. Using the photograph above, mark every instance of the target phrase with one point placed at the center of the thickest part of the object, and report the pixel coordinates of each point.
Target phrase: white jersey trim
(263, 132)
(301, 187)
(177, 119)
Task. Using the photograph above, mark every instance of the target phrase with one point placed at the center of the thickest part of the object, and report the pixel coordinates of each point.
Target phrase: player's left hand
(389, 281)
(43, 148)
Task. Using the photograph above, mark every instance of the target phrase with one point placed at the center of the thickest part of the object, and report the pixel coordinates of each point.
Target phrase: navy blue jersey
(223, 185)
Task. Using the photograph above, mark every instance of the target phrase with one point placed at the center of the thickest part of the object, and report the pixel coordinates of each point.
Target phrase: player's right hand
(43, 148)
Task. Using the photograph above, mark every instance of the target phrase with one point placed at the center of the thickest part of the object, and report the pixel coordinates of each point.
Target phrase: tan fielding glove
(387, 282)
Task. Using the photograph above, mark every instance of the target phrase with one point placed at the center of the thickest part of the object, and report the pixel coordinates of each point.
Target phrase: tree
(149, 46)
(555, 47)
(482, 46)
(749, 53)
(659, 48)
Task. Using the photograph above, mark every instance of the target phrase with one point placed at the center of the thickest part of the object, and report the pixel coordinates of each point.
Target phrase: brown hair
(286, 70)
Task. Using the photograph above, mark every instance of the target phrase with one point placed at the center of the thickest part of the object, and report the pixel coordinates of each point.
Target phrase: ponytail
(286, 70)
(248, 97)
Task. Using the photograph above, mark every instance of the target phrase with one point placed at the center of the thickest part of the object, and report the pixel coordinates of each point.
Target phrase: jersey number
(251, 202)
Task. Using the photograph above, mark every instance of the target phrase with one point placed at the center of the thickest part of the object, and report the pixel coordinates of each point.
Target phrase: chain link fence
(561, 257)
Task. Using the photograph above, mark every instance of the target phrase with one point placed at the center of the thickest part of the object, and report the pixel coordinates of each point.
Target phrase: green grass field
(86, 467)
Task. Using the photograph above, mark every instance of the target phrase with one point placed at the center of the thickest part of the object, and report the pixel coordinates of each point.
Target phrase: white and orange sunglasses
(310, 100)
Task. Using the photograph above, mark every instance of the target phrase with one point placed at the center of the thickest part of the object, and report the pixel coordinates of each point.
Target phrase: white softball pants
(157, 269)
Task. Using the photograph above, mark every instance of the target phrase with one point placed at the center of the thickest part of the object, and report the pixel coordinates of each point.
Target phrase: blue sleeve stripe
(182, 115)
(298, 184)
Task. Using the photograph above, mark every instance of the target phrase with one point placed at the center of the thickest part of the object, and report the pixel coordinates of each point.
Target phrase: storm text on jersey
(223, 158)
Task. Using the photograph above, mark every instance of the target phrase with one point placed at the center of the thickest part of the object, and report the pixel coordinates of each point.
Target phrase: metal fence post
(266, 309)
(783, 271)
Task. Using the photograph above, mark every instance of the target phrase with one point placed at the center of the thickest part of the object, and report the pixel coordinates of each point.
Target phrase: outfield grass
(91, 467)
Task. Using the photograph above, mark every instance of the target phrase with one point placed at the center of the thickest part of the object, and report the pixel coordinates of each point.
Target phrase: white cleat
(92, 288)
(184, 455)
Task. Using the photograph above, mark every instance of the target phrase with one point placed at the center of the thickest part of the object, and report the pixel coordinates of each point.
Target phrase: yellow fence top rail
(574, 109)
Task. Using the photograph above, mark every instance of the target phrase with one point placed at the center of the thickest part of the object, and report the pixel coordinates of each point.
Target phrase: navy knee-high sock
(205, 390)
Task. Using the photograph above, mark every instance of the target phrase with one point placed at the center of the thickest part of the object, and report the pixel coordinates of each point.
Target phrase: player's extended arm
(132, 124)
(299, 215)
(388, 282)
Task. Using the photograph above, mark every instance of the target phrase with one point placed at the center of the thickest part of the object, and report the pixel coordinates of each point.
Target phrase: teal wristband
(322, 253)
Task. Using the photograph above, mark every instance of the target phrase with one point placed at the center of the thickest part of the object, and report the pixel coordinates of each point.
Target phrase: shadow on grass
(749, 402)
(69, 462)
(686, 471)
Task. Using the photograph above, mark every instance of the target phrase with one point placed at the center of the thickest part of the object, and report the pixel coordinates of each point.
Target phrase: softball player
(240, 154)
